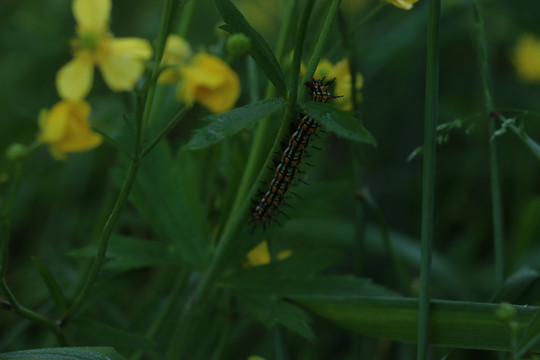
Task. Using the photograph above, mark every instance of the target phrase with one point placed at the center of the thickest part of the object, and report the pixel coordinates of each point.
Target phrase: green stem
(321, 42)
(297, 57)
(165, 131)
(496, 197)
(185, 18)
(169, 10)
(252, 80)
(141, 115)
(399, 271)
(31, 315)
(428, 178)
(104, 238)
(5, 215)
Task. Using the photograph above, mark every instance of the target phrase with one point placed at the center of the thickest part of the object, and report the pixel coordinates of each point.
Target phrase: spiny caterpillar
(286, 166)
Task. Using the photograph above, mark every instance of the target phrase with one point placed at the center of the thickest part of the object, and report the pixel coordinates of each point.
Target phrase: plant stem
(141, 115)
(297, 57)
(16, 307)
(428, 178)
(32, 315)
(169, 10)
(321, 42)
(165, 131)
(185, 18)
(496, 197)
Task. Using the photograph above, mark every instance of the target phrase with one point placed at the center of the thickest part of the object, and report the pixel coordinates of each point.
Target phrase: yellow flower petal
(121, 73)
(211, 82)
(134, 48)
(177, 51)
(65, 128)
(324, 68)
(403, 4)
(74, 80)
(123, 64)
(526, 58)
(92, 14)
(259, 255)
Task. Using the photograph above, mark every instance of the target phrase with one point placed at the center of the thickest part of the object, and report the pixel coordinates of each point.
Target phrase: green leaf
(532, 145)
(523, 287)
(295, 276)
(224, 125)
(165, 193)
(341, 123)
(531, 336)
(270, 311)
(113, 336)
(53, 287)
(260, 50)
(127, 253)
(66, 353)
(528, 227)
(327, 286)
(452, 323)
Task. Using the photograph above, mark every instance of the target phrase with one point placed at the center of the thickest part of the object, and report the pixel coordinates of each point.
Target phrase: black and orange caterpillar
(286, 166)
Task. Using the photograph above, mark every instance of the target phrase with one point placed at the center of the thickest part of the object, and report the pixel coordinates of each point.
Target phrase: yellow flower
(259, 255)
(177, 52)
(402, 4)
(66, 129)
(527, 58)
(120, 60)
(341, 72)
(209, 81)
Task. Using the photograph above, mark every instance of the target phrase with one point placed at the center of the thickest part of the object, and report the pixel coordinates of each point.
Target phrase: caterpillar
(286, 166)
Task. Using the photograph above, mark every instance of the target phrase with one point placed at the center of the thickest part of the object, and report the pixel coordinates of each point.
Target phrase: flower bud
(238, 46)
(16, 152)
(505, 312)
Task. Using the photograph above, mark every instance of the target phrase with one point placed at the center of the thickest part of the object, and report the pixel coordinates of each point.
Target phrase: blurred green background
(61, 205)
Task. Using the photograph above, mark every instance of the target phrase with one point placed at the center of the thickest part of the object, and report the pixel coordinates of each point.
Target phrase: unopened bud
(16, 152)
(238, 45)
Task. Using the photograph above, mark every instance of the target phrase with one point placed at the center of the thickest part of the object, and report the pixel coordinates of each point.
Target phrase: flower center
(88, 41)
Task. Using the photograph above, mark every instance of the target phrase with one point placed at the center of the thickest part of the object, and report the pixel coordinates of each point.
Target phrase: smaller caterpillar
(286, 166)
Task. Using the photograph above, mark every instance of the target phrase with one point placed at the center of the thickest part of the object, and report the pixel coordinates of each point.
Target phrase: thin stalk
(141, 115)
(495, 177)
(14, 305)
(252, 80)
(321, 42)
(428, 179)
(169, 10)
(104, 239)
(165, 131)
(5, 214)
(398, 269)
(111, 141)
(297, 57)
(32, 315)
(185, 18)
